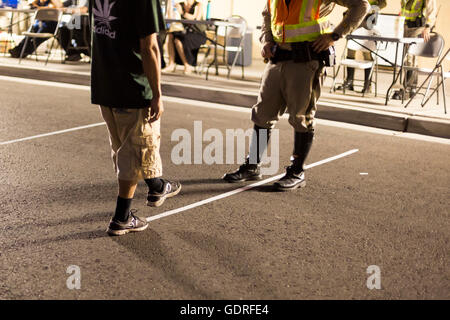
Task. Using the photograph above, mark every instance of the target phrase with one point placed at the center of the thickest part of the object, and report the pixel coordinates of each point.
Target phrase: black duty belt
(303, 52)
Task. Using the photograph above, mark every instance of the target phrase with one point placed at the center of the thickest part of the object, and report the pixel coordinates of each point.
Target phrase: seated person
(38, 27)
(351, 54)
(183, 45)
(72, 35)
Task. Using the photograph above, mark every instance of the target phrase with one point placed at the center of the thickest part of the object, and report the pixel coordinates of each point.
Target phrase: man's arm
(381, 4)
(151, 62)
(266, 29)
(357, 10)
(430, 15)
(266, 37)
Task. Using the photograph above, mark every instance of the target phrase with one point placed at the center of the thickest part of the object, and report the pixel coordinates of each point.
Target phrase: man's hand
(426, 34)
(156, 109)
(266, 50)
(322, 43)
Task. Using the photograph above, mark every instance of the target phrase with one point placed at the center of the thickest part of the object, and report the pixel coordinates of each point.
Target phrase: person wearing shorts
(126, 83)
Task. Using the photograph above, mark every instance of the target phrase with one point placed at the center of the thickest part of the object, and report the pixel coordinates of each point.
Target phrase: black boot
(250, 170)
(295, 175)
(367, 81)
(246, 172)
(348, 83)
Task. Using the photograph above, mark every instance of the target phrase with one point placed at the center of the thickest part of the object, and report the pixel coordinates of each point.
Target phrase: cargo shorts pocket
(147, 143)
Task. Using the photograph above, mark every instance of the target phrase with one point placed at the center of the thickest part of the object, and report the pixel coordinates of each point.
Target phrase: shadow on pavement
(149, 247)
(85, 235)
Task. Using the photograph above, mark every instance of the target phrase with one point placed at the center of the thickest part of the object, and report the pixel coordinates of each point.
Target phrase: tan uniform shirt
(356, 13)
(430, 10)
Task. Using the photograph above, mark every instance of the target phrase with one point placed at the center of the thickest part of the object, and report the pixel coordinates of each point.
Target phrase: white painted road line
(53, 133)
(209, 105)
(242, 189)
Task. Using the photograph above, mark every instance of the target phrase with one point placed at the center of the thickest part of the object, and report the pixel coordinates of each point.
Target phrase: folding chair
(431, 49)
(357, 64)
(232, 47)
(44, 14)
(438, 71)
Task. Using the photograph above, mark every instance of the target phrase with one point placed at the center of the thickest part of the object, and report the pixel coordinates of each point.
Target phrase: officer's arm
(266, 30)
(381, 4)
(266, 33)
(431, 12)
(430, 16)
(357, 10)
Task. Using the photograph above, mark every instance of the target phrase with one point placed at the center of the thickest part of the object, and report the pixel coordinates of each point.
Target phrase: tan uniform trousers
(411, 77)
(351, 54)
(134, 143)
(290, 86)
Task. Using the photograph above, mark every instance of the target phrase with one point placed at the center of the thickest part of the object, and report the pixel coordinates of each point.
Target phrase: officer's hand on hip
(267, 50)
(156, 108)
(323, 42)
(426, 34)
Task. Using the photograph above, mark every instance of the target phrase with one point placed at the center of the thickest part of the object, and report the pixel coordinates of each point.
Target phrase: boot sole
(300, 185)
(125, 231)
(242, 180)
(161, 201)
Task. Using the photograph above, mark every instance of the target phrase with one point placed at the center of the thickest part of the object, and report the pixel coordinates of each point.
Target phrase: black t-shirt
(117, 75)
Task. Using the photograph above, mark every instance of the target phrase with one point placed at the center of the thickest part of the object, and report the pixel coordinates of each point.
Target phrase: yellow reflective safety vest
(297, 23)
(412, 9)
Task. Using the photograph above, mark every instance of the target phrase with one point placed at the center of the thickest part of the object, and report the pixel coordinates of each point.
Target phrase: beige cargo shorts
(134, 143)
(290, 86)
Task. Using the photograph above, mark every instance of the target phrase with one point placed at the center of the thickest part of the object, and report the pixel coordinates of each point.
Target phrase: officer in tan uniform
(420, 17)
(296, 37)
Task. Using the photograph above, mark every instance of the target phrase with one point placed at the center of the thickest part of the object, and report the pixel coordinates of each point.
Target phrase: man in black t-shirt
(125, 82)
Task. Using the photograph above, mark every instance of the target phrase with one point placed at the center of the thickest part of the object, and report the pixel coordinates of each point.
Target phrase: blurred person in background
(183, 45)
(376, 5)
(38, 27)
(420, 17)
(76, 34)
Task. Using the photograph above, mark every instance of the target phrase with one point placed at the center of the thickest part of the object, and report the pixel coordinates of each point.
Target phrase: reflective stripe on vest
(414, 11)
(300, 22)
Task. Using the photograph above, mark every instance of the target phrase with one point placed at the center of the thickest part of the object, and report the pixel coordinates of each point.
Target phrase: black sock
(122, 209)
(302, 145)
(155, 184)
(259, 142)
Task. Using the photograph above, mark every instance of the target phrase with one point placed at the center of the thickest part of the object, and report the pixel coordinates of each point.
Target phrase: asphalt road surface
(385, 205)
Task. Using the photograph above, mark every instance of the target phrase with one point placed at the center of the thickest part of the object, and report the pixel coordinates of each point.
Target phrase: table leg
(394, 79)
(404, 53)
(215, 51)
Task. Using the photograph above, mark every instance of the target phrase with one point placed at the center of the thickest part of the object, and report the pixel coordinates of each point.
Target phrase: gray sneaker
(133, 224)
(170, 189)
